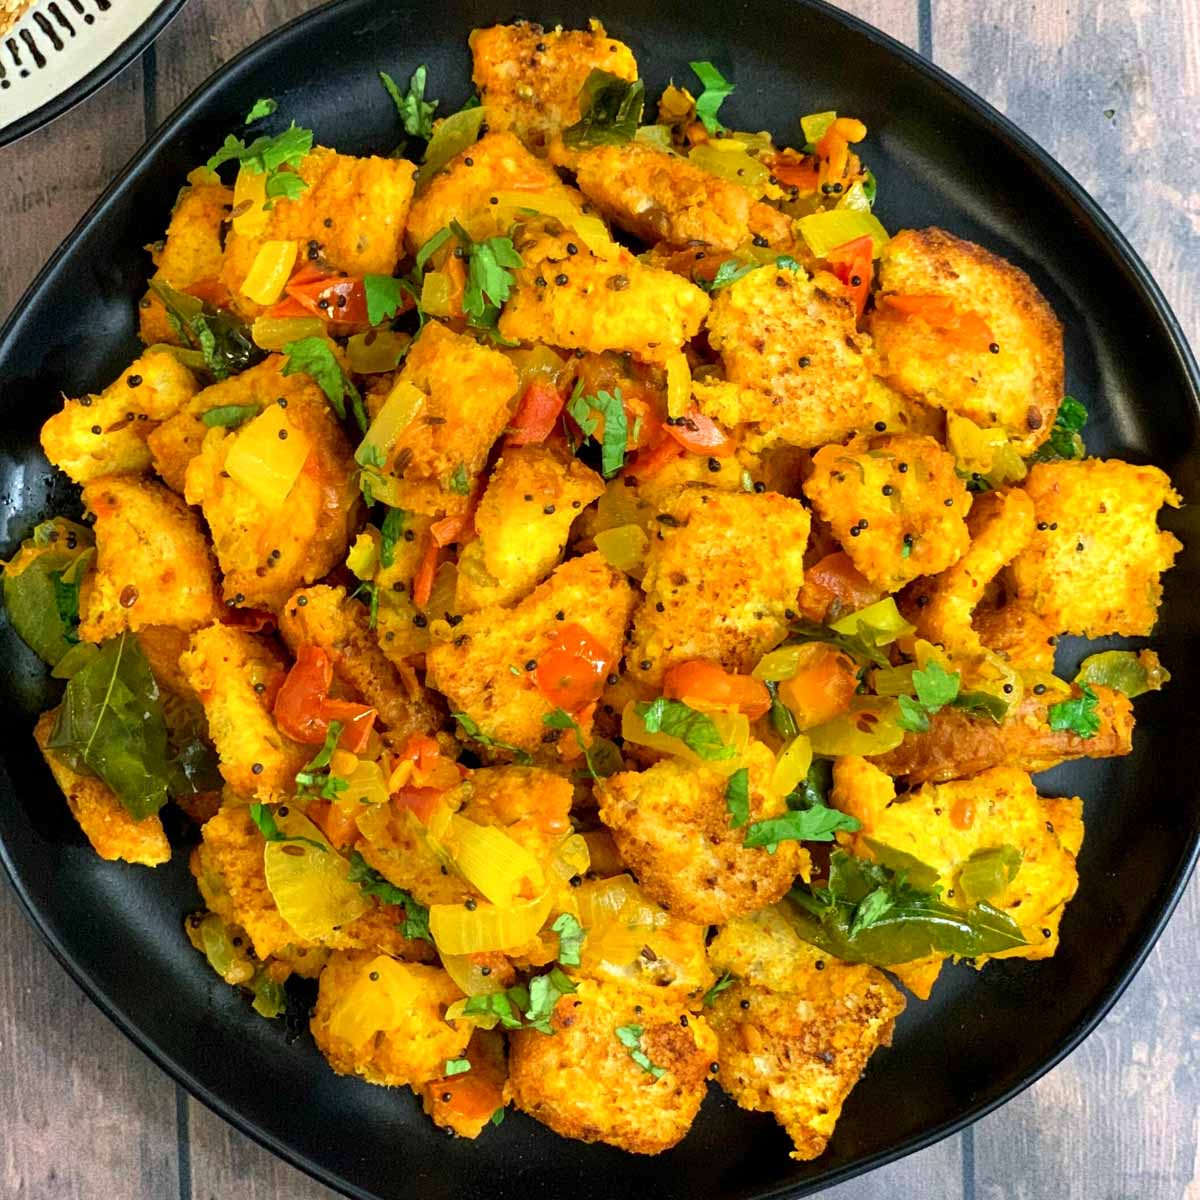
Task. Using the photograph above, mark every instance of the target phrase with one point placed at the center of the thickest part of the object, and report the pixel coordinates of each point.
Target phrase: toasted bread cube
(462, 191)
(466, 1103)
(413, 1051)
(473, 664)
(583, 1083)
(175, 442)
(585, 302)
(1094, 564)
(192, 251)
(524, 518)
(470, 391)
(672, 826)
(236, 675)
(795, 363)
(532, 805)
(153, 564)
(661, 197)
(529, 78)
(365, 199)
(797, 1028)
(396, 627)
(113, 833)
(895, 504)
(1015, 632)
(106, 434)
(1000, 525)
(707, 592)
(1017, 387)
(266, 552)
(324, 616)
(943, 824)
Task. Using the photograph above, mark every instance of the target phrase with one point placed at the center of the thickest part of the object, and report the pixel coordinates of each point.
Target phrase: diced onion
(375, 352)
(572, 857)
(777, 665)
(624, 548)
(791, 765)
(378, 1001)
(557, 204)
(489, 860)
(469, 977)
(273, 333)
(436, 294)
(985, 452)
(827, 229)
(882, 618)
(727, 159)
(679, 385)
(364, 785)
(816, 125)
(309, 886)
(399, 410)
(870, 727)
(271, 270)
(457, 929)
(267, 456)
(249, 202)
(364, 555)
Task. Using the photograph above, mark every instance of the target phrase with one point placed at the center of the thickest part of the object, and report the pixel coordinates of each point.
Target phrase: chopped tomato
(303, 708)
(822, 687)
(334, 822)
(652, 459)
(967, 328)
(422, 584)
(699, 434)
(422, 751)
(288, 307)
(571, 671)
(852, 263)
(801, 174)
(833, 587)
(713, 687)
(536, 414)
(332, 298)
(421, 800)
(448, 529)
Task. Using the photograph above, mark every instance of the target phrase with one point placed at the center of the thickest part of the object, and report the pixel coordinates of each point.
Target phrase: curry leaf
(611, 110)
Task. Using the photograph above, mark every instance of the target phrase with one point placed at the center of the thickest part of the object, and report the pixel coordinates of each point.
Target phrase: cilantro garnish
(787, 262)
(545, 991)
(730, 271)
(432, 246)
(499, 1005)
(460, 481)
(570, 939)
(610, 111)
(259, 110)
(269, 155)
(815, 824)
(710, 997)
(1077, 715)
(389, 535)
(416, 113)
(630, 1036)
(558, 719)
(315, 779)
(471, 728)
(615, 439)
(416, 916)
(694, 729)
(456, 1066)
(384, 297)
(497, 1118)
(1064, 440)
(716, 88)
(737, 797)
(489, 275)
(228, 416)
(314, 357)
(264, 818)
(935, 687)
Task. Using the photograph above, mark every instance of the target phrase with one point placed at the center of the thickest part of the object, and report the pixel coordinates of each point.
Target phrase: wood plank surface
(1111, 89)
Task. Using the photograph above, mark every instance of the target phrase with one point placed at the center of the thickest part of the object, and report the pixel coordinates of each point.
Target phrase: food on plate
(593, 594)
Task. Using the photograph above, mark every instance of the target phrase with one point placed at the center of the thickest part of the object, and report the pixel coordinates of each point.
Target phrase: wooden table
(1112, 88)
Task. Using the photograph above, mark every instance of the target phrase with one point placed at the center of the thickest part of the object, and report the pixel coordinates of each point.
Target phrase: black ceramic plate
(942, 157)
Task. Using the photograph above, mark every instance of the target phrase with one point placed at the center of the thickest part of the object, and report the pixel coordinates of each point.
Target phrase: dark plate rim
(140, 39)
(1071, 192)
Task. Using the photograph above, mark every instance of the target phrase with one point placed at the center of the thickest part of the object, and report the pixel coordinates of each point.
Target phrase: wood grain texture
(1111, 89)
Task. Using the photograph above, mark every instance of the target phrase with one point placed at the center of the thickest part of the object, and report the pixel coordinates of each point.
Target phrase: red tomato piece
(421, 800)
(715, 687)
(699, 434)
(298, 704)
(853, 264)
(357, 722)
(422, 584)
(536, 414)
(571, 671)
(338, 298)
(968, 328)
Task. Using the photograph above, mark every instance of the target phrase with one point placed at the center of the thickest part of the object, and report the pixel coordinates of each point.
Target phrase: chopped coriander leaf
(935, 686)
(816, 824)
(545, 991)
(716, 88)
(570, 939)
(384, 296)
(489, 273)
(630, 1036)
(497, 1118)
(457, 1066)
(314, 357)
(710, 997)
(1064, 440)
(695, 729)
(283, 185)
(558, 719)
(321, 759)
(416, 113)
(912, 718)
(259, 110)
(494, 1004)
(737, 797)
(229, 416)
(416, 916)
(730, 271)
(471, 728)
(265, 153)
(460, 481)
(264, 818)
(982, 704)
(615, 439)
(389, 535)
(787, 262)
(1077, 715)
(611, 110)
(432, 246)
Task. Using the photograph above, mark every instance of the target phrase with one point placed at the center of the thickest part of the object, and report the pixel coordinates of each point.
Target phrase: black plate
(942, 156)
(99, 75)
